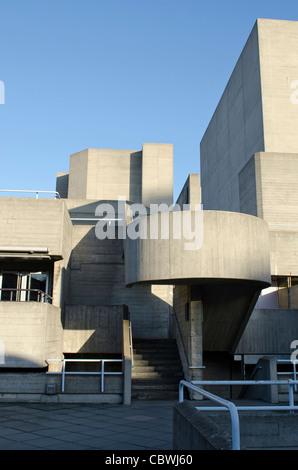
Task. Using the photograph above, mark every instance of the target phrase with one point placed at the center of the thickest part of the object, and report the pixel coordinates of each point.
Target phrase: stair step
(157, 386)
(156, 363)
(157, 369)
(156, 375)
(157, 358)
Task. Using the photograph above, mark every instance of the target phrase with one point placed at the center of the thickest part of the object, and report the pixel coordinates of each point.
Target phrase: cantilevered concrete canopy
(226, 245)
(226, 267)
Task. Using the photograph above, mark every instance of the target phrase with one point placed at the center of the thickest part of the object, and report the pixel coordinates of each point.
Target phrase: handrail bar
(291, 387)
(288, 361)
(227, 404)
(36, 192)
(130, 343)
(12, 289)
(102, 373)
(235, 422)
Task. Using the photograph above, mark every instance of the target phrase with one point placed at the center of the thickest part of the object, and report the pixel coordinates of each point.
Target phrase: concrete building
(249, 164)
(113, 274)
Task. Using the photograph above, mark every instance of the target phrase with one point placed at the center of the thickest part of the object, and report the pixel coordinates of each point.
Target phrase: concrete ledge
(259, 430)
(33, 387)
(61, 398)
(192, 430)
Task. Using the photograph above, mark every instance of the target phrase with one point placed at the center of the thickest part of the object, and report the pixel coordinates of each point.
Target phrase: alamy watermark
(294, 354)
(186, 224)
(2, 92)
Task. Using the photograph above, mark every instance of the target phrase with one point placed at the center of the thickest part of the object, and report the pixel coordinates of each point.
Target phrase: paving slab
(144, 425)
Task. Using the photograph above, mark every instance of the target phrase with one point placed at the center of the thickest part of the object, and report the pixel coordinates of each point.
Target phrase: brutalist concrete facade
(249, 164)
(67, 290)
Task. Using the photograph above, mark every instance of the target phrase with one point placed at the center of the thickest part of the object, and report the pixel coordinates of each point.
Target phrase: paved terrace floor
(145, 425)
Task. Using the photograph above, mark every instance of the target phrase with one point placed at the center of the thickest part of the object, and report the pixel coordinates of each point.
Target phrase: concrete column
(196, 343)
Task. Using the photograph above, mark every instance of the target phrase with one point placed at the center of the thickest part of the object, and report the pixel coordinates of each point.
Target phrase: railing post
(102, 374)
(63, 375)
(291, 395)
(235, 427)
(181, 391)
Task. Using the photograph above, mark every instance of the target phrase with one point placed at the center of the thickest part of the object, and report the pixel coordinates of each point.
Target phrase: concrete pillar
(196, 343)
(196, 336)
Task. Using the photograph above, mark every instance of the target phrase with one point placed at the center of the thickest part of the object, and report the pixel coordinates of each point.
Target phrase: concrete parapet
(228, 246)
(31, 333)
(211, 430)
(34, 387)
(193, 430)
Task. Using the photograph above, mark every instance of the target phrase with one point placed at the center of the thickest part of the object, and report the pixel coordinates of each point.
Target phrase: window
(24, 286)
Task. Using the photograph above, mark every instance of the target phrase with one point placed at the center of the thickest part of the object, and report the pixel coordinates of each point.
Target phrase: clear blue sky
(115, 74)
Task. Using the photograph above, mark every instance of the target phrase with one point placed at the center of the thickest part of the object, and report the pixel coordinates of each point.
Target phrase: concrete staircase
(157, 370)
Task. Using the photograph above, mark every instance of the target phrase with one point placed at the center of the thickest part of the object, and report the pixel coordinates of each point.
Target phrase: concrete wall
(196, 431)
(279, 69)
(39, 223)
(157, 174)
(78, 172)
(61, 275)
(93, 329)
(32, 223)
(139, 176)
(105, 174)
(191, 192)
(32, 388)
(203, 430)
(269, 331)
(268, 189)
(62, 184)
(257, 112)
(97, 278)
(235, 132)
(277, 203)
(31, 333)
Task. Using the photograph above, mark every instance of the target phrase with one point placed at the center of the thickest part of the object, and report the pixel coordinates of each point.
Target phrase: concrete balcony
(31, 332)
(226, 246)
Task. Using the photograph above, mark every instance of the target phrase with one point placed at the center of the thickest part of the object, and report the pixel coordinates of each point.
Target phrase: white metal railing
(34, 191)
(231, 406)
(131, 343)
(221, 401)
(291, 362)
(31, 295)
(101, 372)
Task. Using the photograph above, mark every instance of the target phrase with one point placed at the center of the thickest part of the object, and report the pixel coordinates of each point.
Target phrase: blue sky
(115, 74)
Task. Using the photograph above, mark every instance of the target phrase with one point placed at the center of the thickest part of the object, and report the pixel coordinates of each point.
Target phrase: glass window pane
(9, 286)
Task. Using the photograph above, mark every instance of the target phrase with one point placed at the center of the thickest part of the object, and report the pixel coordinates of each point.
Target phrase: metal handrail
(36, 192)
(11, 290)
(102, 372)
(288, 361)
(291, 386)
(131, 343)
(227, 405)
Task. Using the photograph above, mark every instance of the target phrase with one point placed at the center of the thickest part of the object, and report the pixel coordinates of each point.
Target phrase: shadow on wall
(97, 277)
(19, 363)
